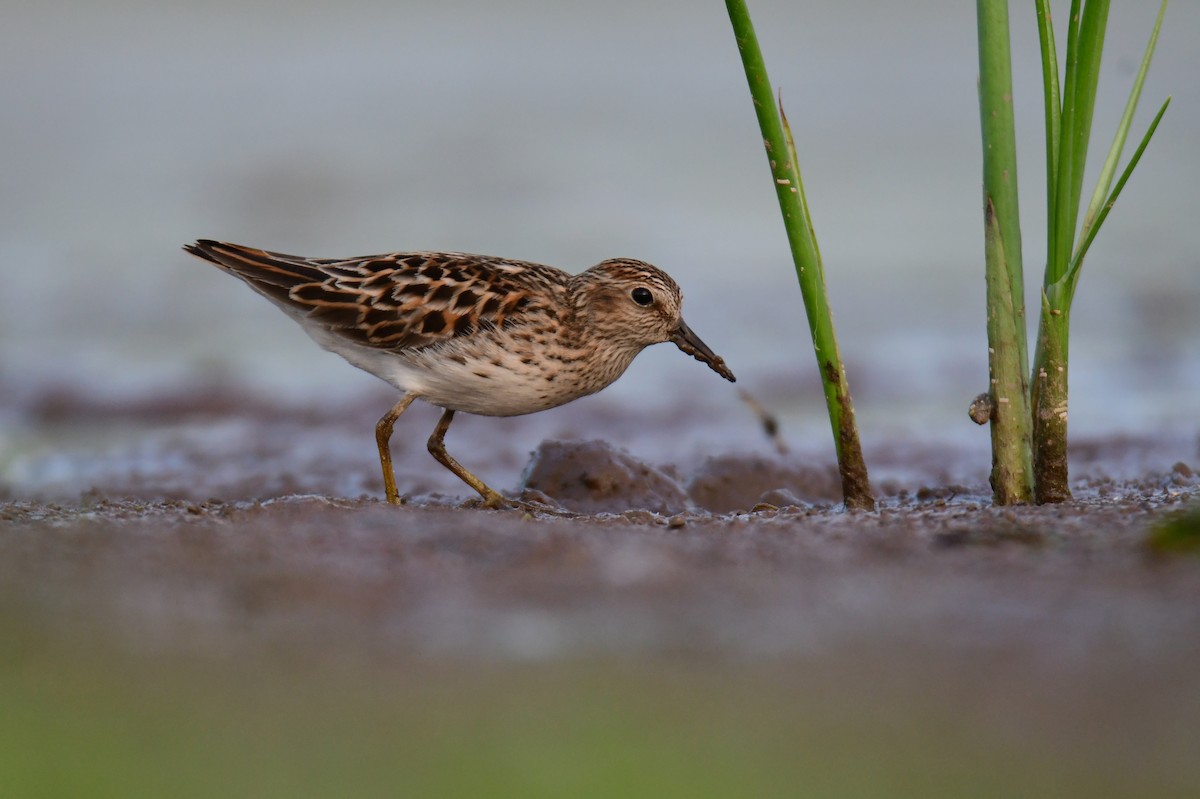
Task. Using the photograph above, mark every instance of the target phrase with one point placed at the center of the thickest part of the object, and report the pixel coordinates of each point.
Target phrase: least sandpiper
(471, 333)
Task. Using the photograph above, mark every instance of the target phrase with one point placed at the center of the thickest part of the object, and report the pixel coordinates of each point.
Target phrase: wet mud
(225, 531)
(236, 514)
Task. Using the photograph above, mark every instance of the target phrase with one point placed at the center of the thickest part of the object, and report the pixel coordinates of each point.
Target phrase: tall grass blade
(1092, 27)
(1085, 45)
(1061, 220)
(1118, 144)
(803, 198)
(1008, 370)
(1091, 230)
(785, 171)
(1053, 101)
(1012, 441)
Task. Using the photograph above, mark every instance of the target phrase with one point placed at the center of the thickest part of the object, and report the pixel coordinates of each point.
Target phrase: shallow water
(564, 135)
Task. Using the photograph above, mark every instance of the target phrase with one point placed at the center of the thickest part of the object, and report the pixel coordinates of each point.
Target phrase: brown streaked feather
(395, 301)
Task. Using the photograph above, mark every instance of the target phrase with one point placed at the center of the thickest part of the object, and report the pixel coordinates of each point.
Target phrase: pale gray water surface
(564, 133)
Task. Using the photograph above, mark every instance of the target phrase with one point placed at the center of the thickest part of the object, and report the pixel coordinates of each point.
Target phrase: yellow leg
(437, 448)
(383, 437)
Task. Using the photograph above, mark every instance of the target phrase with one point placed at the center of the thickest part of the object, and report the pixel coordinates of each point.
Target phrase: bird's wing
(395, 301)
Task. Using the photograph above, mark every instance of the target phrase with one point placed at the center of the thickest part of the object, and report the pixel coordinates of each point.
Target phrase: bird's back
(467, 332)
(400, 301)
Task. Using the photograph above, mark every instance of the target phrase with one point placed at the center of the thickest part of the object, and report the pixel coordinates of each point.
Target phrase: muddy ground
(209, 597)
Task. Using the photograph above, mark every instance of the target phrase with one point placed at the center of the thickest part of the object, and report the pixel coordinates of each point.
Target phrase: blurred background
(300, 647)
(566, 133)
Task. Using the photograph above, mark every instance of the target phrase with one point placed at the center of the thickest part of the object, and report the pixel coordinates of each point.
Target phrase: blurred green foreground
(102, 722)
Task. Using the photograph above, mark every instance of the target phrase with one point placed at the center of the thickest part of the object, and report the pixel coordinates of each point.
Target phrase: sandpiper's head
(633, 303)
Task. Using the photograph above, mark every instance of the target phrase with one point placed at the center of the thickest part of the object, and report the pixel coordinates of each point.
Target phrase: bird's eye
(642, 296)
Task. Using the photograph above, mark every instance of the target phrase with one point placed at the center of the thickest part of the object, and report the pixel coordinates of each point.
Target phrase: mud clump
(729, 483)
(593, 477)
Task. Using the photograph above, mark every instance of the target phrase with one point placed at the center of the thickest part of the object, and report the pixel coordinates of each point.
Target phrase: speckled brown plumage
(471, 333)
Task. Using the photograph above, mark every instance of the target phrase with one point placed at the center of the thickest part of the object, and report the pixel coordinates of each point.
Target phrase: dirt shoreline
(235, 497)
(380, 573)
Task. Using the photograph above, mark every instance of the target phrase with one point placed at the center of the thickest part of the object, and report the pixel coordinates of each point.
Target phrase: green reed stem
(1012, 458)
(789, 190)
(1068, 132)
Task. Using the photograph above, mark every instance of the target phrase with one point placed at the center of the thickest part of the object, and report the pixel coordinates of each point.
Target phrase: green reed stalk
(1008, 369)
(789, 190)
(1068, 132)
